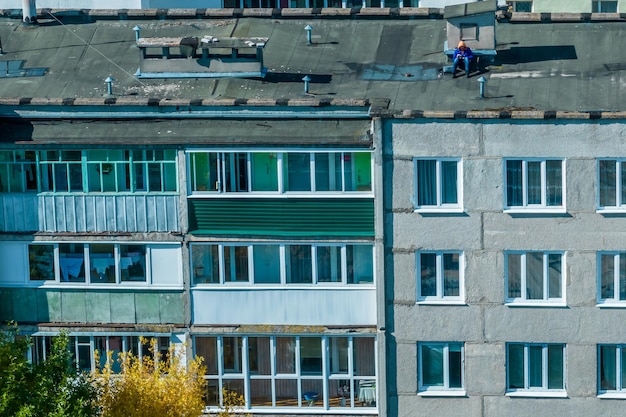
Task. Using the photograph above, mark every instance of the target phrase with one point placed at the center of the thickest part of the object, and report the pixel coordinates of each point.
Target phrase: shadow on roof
(524, 54)
(290, 77)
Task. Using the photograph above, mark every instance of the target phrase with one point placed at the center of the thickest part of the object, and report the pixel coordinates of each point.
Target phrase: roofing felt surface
(539, 66)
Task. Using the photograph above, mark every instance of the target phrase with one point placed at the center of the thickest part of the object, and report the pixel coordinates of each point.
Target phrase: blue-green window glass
(441, 366)
(432, 365)
(266, 260)
(299, 264)
(555, 367)
(514, 190)
(297, 171)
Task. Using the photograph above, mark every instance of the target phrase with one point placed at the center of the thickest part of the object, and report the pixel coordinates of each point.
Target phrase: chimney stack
(29, 11)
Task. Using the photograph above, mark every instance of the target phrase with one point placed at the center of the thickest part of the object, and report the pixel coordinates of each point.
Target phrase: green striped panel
(282, 217)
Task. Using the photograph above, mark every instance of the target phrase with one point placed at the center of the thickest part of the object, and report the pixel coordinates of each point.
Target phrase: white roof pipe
(29, 11)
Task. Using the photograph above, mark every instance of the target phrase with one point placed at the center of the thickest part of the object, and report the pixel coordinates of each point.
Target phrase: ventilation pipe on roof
(137, 30)
(306, 80)
(109, 82)
(481, 88)
(308, 29)
(29, 11)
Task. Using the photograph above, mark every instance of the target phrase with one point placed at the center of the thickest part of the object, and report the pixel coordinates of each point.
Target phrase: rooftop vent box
(207, 57)
(475, 23)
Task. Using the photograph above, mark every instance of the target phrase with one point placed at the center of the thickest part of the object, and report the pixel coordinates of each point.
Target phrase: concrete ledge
(438, 114)
(366, 12)
(572, 115)
(374, 11)
(421, 12)
(257, 12)
(378, 108)
(525, 17)
(334, 12)
(483, 114)
(182, 13)
(142, 13)
(566, 17)
(297, 13)
(220, 13)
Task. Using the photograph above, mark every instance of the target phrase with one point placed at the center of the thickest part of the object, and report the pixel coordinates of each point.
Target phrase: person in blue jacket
(462, 53)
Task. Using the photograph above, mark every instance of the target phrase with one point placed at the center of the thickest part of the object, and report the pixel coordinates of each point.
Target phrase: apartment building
(350, 231)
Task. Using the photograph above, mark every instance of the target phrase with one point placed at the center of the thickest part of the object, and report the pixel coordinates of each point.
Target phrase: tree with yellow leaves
(152, 385)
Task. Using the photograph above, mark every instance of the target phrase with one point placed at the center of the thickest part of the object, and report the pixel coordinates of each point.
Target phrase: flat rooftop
(394, 60)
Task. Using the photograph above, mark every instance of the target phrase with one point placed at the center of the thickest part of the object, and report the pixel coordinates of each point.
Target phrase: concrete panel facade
(30, 305)
(484, 230)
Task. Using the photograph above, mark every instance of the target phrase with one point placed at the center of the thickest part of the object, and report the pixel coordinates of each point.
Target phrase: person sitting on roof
(462, 53)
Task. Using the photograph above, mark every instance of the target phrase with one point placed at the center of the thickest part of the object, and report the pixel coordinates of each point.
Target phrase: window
(18, 171)
(280, 172)
(534, 277)
(441, 367)
(611, 369)
(83, 348)
(612, 277)
(611, 184)
(88, 171)
(302, 263)
(439, 276)
(604, 6)
(520, 6)
(535, 367)
(292, 371)
(534, 183)
(107, 263)
(437, 183)
(469, 32)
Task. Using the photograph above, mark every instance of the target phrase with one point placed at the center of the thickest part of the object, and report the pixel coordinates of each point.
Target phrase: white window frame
(620, 390)
(445, 390)
(439, 207)
(440, 298)
(542, 207)
(283, 247)
(58, 282)
(353, 378)
(43, 339)
(523, 299)
(225, 154)
(620, 183)
(543, 391)
(615, 300)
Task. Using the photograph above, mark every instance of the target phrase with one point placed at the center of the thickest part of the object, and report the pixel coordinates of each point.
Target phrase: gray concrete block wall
(483, 232)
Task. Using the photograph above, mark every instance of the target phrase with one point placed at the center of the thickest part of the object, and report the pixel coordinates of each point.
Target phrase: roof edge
(301, 13)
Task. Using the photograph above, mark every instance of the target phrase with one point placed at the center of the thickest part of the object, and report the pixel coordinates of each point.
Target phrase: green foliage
(145, 387)
(52, 388)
